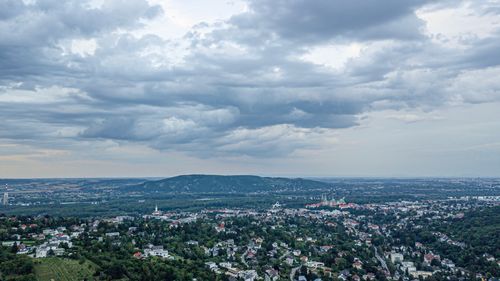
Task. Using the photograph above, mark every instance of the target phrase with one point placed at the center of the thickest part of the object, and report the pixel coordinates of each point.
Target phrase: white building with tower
(157, 212)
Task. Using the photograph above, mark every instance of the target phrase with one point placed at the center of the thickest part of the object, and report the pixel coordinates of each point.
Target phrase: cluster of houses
(239, 262)
(232, 272)
(55, 243)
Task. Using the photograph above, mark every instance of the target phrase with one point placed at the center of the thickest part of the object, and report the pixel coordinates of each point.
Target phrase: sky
(156, 88)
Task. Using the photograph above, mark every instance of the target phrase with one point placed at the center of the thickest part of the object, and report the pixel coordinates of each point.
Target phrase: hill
(226, 184)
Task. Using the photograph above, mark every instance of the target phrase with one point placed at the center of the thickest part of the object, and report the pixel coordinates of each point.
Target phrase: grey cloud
(257, 100)
(483, 54)
(10, 9)
(322, 20)
(32, 34)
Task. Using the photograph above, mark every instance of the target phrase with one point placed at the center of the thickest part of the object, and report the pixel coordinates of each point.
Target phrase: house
(430, 256)
(137, 255)
(272, 253)
(214, 251)
(62, 238)
(489, 257)
(156, 251)
(43, 250)
(272, 275)
(248, 275)
(424, 274)
(58, 251)
(220, 228)
(408, 266)
(344, 274)
(10, 243)
(448, 263)
(314, 264)
(112, 234)
(396, 257)
(212, 266)
(369, 276)
(22, 249)
(233, 272)
(49, 231)
(357, 264)
(325, 248)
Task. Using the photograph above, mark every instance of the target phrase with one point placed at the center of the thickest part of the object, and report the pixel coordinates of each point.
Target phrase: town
(328, 240)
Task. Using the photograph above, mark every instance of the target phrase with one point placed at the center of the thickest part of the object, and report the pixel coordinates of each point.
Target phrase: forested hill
(224, 184)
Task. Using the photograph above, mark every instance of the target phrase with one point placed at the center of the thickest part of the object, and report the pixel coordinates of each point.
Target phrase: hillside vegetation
(57, 269)
(227, 184)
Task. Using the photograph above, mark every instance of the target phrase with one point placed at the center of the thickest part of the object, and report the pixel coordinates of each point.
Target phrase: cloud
(412, 118)
(273, 141)
(34, 34)
(257, 84)
(322, 20)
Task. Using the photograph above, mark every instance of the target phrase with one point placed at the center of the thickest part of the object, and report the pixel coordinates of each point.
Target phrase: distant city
(273, 229)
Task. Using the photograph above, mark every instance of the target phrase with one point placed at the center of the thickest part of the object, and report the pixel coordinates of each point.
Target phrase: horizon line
(259, 175)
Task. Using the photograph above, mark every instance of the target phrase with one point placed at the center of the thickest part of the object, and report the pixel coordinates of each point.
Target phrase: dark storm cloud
(242, 87)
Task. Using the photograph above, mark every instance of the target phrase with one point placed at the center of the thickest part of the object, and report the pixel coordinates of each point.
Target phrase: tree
(13, 249)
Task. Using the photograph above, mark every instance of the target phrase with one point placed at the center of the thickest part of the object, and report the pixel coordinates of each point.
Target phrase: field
(57, 269)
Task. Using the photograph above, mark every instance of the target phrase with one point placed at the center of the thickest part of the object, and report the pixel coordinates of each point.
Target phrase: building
(272, 275)
(156, 251)
(112, 234)
(314, 264)
(424, 274)
(276, 207)
(357, 264)
(430, 256)
(408, 266)
(396, 258)
(248, 275)
(448, 263)
(5, 200)
(157, 212)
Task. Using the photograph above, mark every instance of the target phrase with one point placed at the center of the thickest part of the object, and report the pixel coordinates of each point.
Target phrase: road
(381, 260)
(243, 261)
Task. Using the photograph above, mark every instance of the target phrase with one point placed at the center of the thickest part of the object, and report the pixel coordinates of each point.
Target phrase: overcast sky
(281, 87)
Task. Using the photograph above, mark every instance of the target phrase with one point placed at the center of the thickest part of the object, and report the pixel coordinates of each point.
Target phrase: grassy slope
(59, 269)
